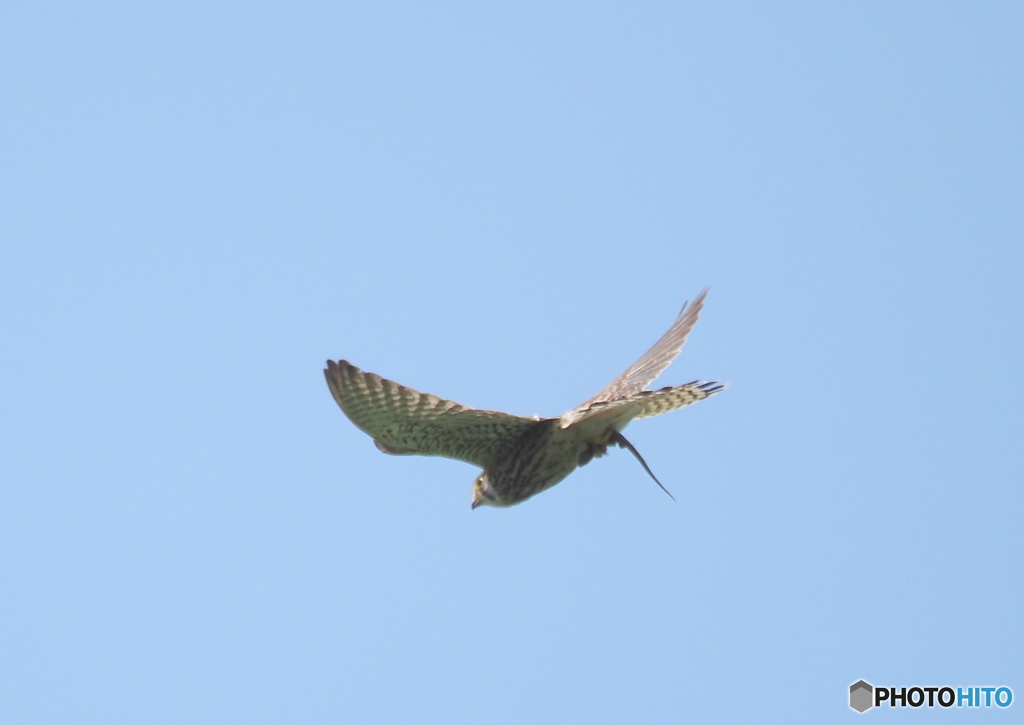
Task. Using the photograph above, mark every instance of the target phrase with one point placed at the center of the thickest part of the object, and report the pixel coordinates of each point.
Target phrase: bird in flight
(520, 457)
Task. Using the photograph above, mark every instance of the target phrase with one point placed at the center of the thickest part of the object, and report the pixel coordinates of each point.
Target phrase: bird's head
(483, 494)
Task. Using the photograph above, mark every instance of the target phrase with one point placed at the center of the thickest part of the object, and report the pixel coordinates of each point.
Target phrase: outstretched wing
(404, 421)
(639, 405)
(651, 364)
(664, 400)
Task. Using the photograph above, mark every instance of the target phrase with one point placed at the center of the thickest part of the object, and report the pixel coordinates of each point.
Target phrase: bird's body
(520, 456)
(540, 457)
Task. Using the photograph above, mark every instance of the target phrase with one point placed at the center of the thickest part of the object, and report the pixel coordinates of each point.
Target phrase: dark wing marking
(643, 404)
(404, 421)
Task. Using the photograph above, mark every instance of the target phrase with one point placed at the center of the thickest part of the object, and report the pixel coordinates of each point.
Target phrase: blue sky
(506, 205)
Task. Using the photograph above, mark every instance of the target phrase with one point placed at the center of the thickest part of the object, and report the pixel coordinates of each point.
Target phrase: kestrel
(520, 457)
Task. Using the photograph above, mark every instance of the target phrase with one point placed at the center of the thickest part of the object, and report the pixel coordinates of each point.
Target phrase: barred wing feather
(643, 404)
(405, 421)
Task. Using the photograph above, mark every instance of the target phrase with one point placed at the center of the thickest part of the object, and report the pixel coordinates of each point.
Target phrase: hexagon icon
(861, 696)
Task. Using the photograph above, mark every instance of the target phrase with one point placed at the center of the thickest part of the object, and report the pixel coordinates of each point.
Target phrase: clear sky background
(506, 205)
